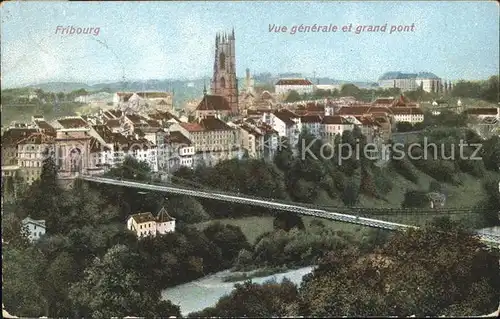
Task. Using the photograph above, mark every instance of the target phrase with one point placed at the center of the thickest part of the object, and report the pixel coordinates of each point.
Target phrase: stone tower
(224, 81)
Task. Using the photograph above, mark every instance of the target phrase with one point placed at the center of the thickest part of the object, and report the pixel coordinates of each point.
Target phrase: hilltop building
(429, 82)
(302, 86)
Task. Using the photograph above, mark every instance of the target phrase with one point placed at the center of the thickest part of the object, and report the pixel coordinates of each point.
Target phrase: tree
(293, 96)
(319, 93)
(350, 194)
(439, 266)
(229, 238)
(415, 199)
(287, 221)
(349, 90)
(20, 290)
(115, 286)
(271, 299)
(404, 127)
(13, 232)
(284, 158)
(42, 198)
(438, 269)
(59, 274)
(133, 169)
(491, 153)
(187, 209)
(489, 206)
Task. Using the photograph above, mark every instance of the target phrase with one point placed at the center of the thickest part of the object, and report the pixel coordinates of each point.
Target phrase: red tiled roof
(250, 130)
(113, 123)
(361, 110)
(481, 111)
(213, 103)
(406, 110)
(37, 138)
(267, 129)
(214, 124)
(192, 127)
(294, 82)
(366, 121)
(163, 216)
(165, 116)
(14, 135)
(388, 101)
(266, 96)
(73, 123)
(286, 116)
(116, 113)
(143, 218)
(153, 123)
(104, 132)
(311, 107)
(310, 119)
(96, 147)
(136, 119)
(337, 120)
(46, 127)
(177, 137)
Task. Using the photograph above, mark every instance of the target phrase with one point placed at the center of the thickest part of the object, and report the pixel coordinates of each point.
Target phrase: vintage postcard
(250, 159)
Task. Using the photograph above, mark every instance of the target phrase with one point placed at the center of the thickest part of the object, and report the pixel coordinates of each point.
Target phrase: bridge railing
(359, 211)
(296, 208)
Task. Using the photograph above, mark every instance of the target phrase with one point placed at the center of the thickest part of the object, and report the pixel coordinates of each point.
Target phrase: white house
(145, 224)
(36, 228)
(301, 86)
(312, 123)
(334, 125)
(408, 114)
(178, 151)
(286, 123)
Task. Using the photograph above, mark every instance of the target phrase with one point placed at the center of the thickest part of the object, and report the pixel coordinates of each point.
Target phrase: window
(222, 61)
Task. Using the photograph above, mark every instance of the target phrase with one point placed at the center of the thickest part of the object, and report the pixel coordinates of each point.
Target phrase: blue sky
(160, 40)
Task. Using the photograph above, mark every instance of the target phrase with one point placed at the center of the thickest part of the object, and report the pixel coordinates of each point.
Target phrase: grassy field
(467, 195)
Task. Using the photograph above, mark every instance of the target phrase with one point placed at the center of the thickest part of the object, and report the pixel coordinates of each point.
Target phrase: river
(205, 292)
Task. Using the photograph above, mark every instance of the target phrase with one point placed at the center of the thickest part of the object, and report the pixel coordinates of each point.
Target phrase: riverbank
(236, 276)
(205, 292)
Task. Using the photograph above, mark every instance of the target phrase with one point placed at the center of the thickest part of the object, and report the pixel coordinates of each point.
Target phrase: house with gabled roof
(284, 86)
(146, 224)
(35, 228)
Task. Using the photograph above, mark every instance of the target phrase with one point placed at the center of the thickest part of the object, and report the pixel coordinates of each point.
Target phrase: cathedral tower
(224, 81)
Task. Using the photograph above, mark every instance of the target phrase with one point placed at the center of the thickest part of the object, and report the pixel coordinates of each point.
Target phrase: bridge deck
(299, 208)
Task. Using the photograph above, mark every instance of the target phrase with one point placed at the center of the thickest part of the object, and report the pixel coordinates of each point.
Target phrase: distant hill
(184, 89)
(65, 87)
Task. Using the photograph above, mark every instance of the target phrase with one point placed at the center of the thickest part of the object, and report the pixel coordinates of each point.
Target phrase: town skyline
(132, 47)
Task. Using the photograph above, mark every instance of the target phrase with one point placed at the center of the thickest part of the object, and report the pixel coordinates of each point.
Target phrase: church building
(224, 81)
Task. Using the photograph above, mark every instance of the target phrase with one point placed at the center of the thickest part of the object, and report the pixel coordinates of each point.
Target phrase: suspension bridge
(332, 213)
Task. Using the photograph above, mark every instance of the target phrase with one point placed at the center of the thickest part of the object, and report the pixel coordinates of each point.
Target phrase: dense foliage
(89, 264)
(441, 269)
